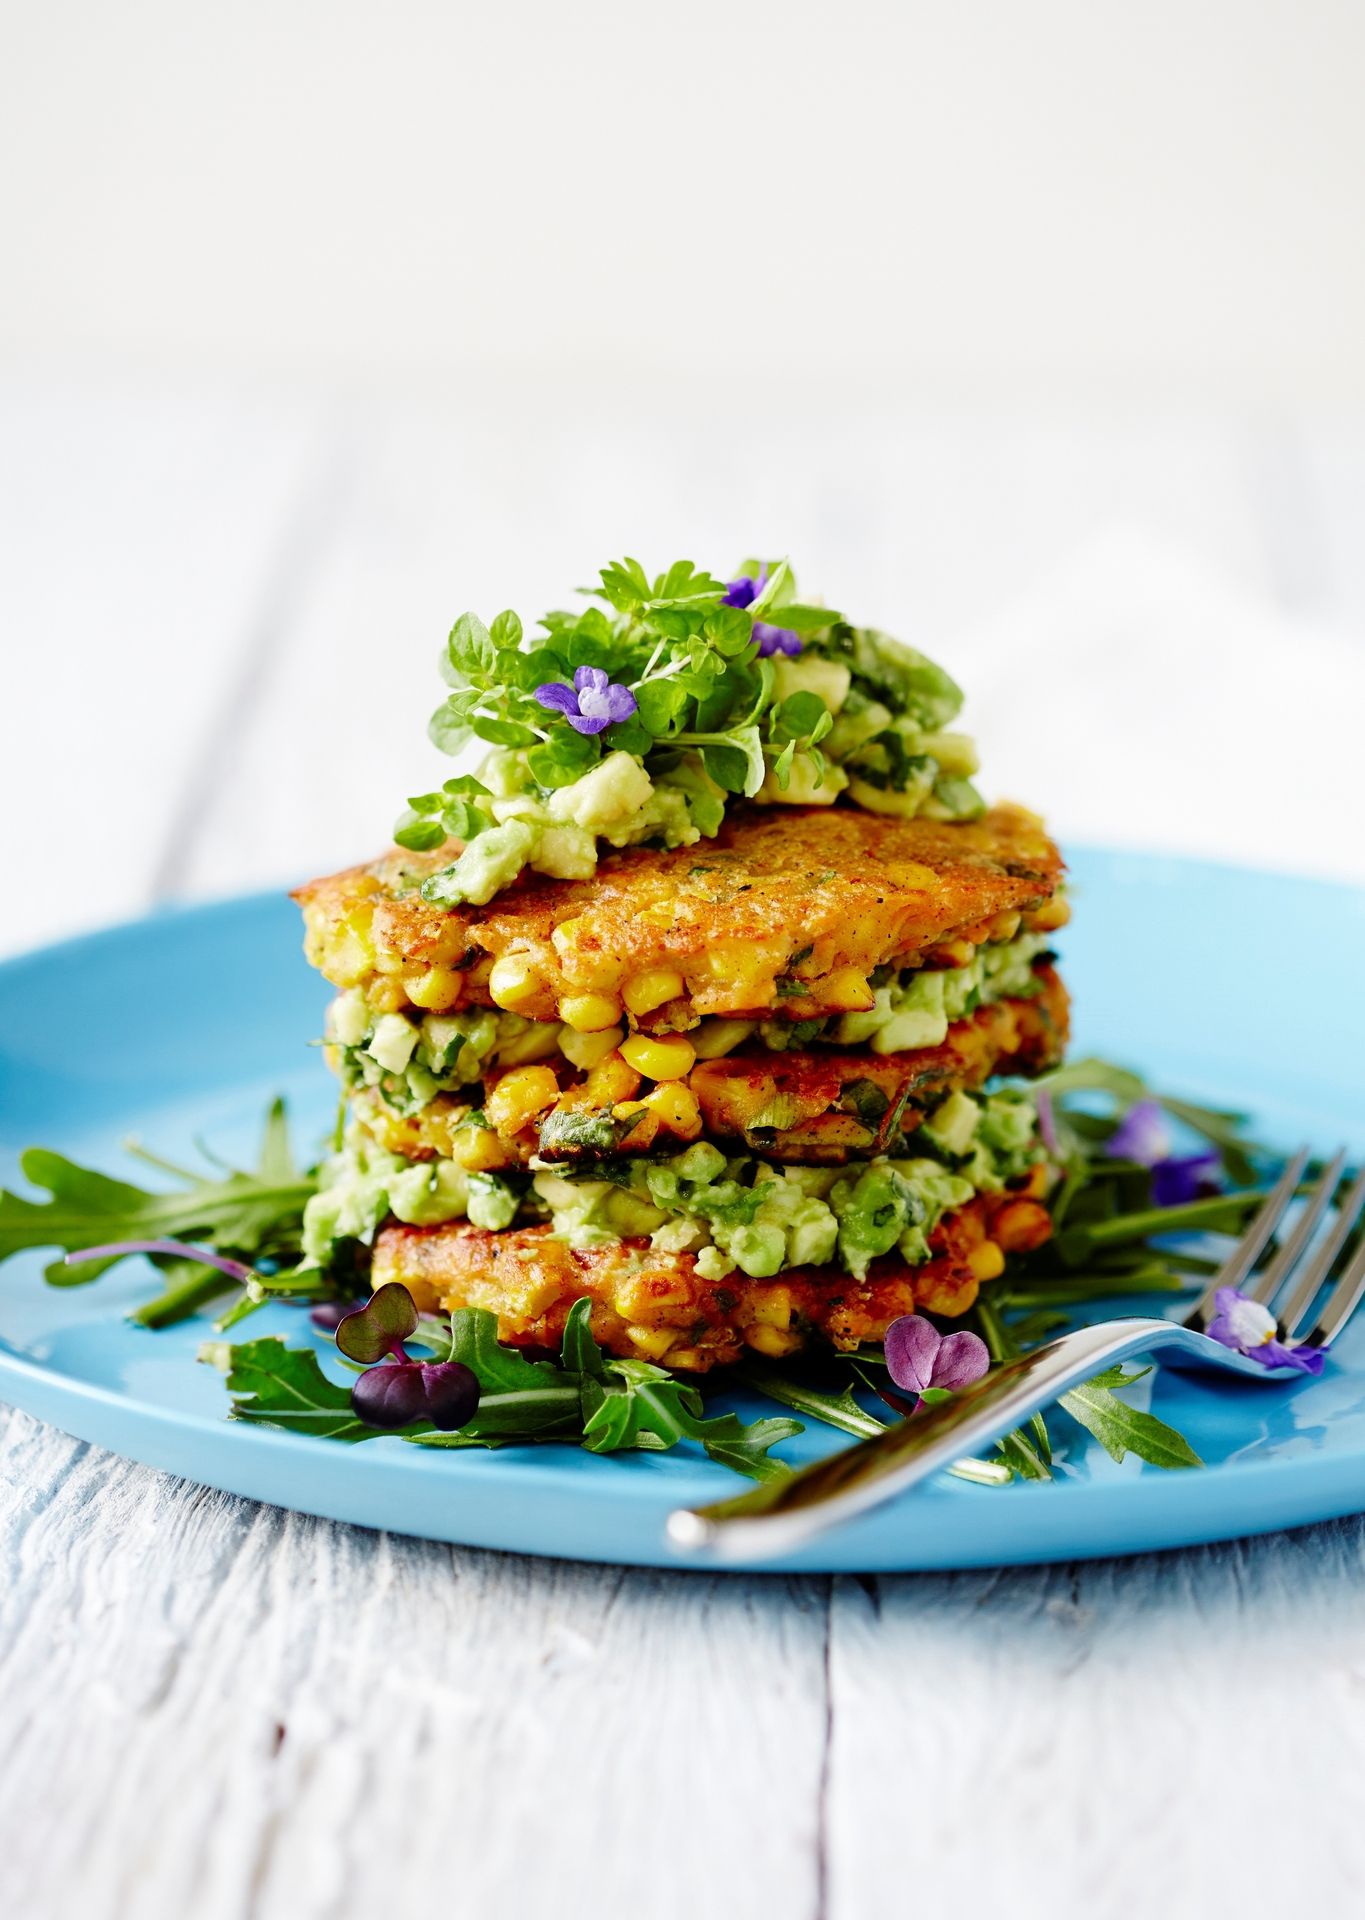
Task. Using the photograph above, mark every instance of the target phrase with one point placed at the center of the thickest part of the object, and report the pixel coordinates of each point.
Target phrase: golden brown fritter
(656, 1305)
(815, 1107)
(833, 1106)
(787, 910)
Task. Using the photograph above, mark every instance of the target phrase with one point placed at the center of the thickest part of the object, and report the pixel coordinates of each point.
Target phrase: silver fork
(780, 1516)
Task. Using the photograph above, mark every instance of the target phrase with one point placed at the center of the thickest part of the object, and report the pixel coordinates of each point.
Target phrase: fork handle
(779, 1516)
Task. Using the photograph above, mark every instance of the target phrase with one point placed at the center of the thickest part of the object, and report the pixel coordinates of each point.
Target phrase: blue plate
(1235, 987)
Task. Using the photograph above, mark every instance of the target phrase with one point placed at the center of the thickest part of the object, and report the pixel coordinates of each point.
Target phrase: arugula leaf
(835, 1406)
(588, 1397)
(1121, 1429)
(282, 1386)
(249, 1215)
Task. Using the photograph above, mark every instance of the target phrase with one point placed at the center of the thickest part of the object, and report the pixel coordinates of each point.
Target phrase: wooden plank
(1153, 1735)
(222, 1709)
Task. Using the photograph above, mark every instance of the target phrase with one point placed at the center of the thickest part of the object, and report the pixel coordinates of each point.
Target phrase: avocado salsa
(740, 1213)
(684, 704)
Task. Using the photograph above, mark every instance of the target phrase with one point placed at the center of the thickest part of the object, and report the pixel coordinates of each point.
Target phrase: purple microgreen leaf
(962, 1358)
(773, 640)
(379, 1327)
(328, 1315)
(911, 1347)
(593, 703)
(444, 1392)
(744, 591)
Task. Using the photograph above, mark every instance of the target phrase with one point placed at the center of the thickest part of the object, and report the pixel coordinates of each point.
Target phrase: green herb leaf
(248, 1215)
(470, 648)
(590, 1398)
(565, 757)
(282, 1386)
(505, 632)
(1121, 1429)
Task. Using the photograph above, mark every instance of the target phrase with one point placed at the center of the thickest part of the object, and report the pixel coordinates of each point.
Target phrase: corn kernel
(514, 985)
(344, 953)
(714, 1038)
(675, 1107)
(951, 953)
(610, 1080)
(1052, 914)
(478, 1150)
(590, 1012)
(987, 1262)
(519, 1096)
(385, 995)
(668, 1058)
(651, 989)
(436, 989)
(772, 1307)
(587, 1050)
(847, 989)
(644, 1297)
(570, 934)
(653, 1341)
(773, 1341)
(1022, 1225)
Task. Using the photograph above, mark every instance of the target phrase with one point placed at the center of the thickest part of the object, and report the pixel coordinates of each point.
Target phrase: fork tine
(1250, 1247)
(1316, 1269)
(1295, 1245)
(1342, 1302)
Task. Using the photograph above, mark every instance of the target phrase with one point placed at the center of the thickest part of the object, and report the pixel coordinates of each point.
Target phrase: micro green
(585, 1398)
(679, 671)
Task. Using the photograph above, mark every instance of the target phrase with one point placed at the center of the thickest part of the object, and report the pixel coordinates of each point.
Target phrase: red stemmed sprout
(395, 1390)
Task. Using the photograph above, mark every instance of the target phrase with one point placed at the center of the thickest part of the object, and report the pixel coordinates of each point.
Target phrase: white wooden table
(218, 614)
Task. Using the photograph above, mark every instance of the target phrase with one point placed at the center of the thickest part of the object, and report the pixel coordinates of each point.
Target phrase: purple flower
(919, 1357)
(1185, 1177)
(742, 593)
(1248, 1327)
(1143, 1135)
(591, 703)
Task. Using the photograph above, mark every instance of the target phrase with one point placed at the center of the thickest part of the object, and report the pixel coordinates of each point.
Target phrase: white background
(1069, 196)
(1032, 332)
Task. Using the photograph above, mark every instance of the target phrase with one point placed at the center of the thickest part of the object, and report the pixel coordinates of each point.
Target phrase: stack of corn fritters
(735, 1093)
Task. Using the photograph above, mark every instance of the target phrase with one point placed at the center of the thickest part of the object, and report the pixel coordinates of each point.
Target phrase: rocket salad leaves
(1111, 1241)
